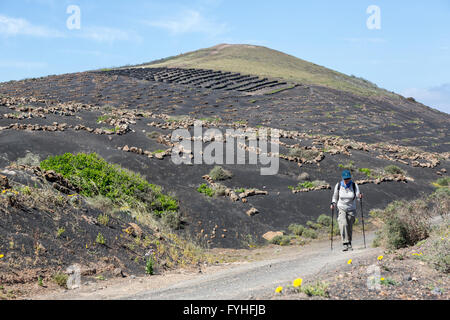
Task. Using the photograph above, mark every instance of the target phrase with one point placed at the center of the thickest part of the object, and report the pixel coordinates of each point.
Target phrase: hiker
(346, 191)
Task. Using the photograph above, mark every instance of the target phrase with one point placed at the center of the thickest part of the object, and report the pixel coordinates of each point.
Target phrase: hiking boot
(345, 247)
(349, 247)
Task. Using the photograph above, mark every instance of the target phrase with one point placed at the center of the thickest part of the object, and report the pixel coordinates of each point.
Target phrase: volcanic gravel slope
(58, 114)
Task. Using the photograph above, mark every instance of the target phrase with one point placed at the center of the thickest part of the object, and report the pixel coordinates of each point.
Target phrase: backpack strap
(354, 190)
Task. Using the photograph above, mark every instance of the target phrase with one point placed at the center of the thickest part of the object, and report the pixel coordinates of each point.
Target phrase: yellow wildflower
(298, 282)
(382, 279)
(1, 256)
(279, 289)
(349, 261)
(380, 258)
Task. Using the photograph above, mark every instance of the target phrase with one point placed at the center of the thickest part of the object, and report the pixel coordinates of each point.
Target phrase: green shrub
(318, 289)
(404, 223)
(60, 231)
(443, 182)
(103, 219)
(171, 220)
(219, 189)
(324, 220)
(348, 166)
(218, 173)
(318, 183)
(203, 188)
(281, 240)
(306, 185)
(100, 239)
(61, 279)
(388, 282)
(296, 229)
(30, 159)
(94, 176)
(366, 171)
(313, 225)
(392, 169)
(309, 233)
(439, 254)
(149, 265)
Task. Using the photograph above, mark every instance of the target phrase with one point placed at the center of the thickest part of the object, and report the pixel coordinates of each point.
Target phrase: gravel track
(260, 278)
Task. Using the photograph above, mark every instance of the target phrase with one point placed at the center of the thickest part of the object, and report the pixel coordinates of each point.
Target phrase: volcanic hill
(396, 148)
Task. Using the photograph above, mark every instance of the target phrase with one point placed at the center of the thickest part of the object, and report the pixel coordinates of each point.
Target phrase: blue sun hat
(346, 174)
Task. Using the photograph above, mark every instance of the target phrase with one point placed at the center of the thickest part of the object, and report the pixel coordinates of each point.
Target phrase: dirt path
(242, 280)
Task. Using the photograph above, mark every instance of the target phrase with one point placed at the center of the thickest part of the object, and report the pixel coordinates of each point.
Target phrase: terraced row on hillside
(204, 78)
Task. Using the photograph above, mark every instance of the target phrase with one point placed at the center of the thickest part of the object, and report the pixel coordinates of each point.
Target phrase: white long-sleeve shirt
(347, 199)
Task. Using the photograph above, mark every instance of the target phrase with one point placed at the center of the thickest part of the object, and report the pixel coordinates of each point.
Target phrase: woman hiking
(346, 191)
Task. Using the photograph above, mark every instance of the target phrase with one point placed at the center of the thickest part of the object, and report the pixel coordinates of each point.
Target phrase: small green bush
(439, 254)
(310, 233)
(388, 282)
(218, 173)
(296, 229)
(324, 220)
(149, 265)
(392, 169)
(366, 171)
(100, 239)
(404, 223)
(306, 185)
(60, 279)
(103, 219)
(348, 166)
(313, 225)
(60, 231)
(443, 182)
(318, 289)
(171, 220)
(94, 176)
(203, 188)
(219, 189)
(281, 240)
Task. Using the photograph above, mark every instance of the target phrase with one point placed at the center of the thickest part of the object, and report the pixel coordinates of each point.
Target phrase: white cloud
(17, 26)
(190, 21)
(436, 97)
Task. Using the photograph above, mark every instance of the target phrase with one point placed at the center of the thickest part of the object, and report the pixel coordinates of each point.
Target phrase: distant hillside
(262, 61)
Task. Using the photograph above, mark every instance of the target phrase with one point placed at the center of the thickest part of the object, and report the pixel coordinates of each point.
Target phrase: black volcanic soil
(307, 109)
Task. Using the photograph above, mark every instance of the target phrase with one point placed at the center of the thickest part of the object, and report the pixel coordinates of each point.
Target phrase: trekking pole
(362, 219)
(332, 210)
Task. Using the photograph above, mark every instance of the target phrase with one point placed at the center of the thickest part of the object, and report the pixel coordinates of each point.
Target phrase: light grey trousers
(346, 221)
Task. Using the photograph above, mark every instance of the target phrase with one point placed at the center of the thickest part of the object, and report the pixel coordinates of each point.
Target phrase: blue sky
(410, 54)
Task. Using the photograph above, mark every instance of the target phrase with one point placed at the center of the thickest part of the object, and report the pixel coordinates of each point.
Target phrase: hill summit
(266, 62)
